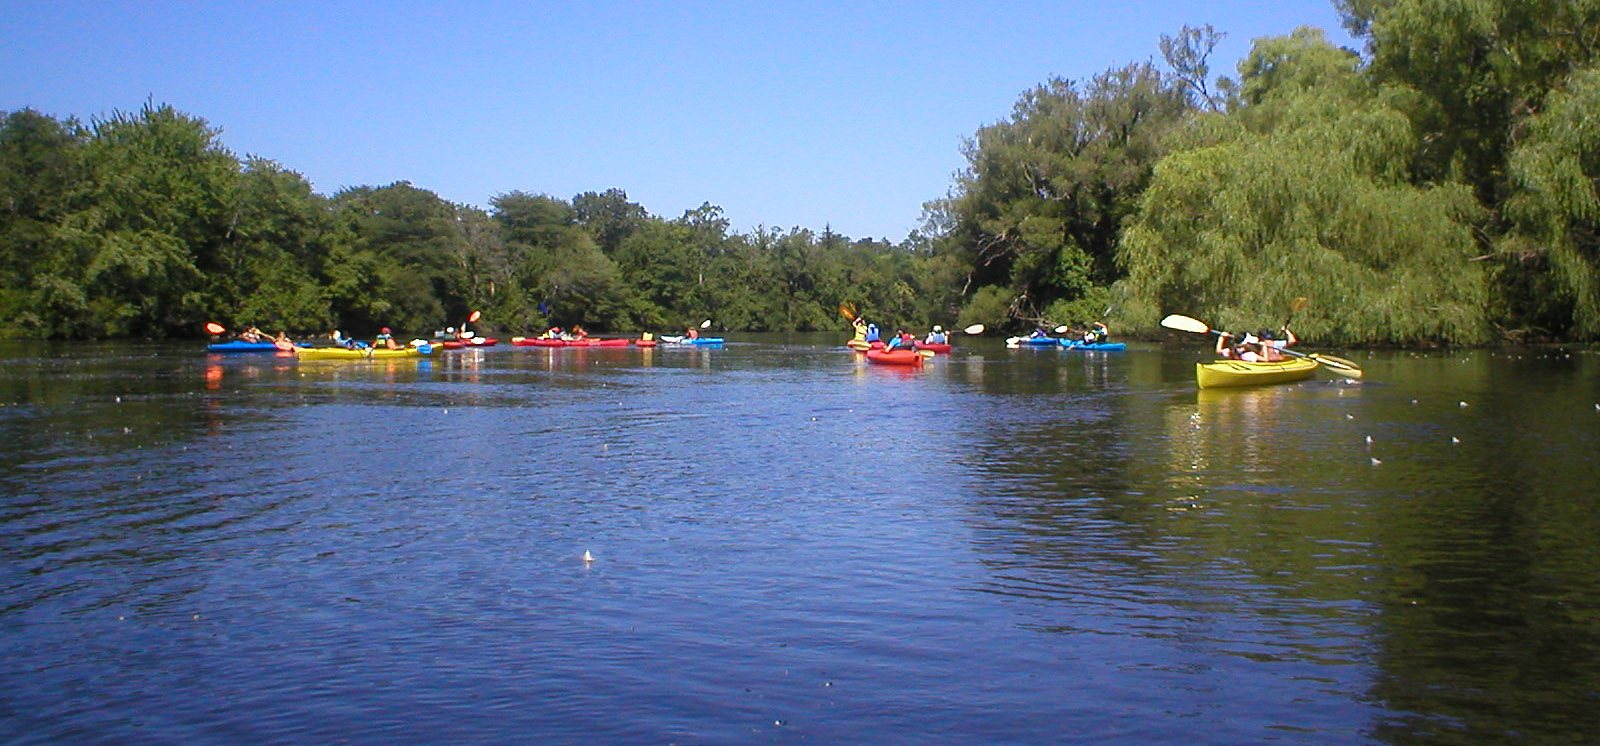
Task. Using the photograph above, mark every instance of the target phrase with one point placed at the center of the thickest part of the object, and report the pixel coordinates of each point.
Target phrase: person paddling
(902, 340)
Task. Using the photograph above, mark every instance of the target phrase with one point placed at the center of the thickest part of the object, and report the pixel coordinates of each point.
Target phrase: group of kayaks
(1216, 374)
(424, 348)
(613, 342)
(1063, 343)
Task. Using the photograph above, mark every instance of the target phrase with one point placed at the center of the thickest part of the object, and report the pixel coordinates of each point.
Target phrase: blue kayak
(242, 346)
(695, 341)
(1094, 347)
(1035, 341)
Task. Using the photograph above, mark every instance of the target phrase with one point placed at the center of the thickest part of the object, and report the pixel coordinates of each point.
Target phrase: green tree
(1041, 205)
(157, 210)
(1556, 208)
(41, 180)
(561, 267)
(1301, 195)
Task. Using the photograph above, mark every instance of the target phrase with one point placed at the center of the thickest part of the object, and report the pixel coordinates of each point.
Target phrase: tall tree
(41, 180)
(161, 189)
(1044, 197)
(1556, 208)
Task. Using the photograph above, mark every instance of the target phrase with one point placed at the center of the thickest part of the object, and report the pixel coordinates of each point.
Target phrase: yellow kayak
(341, 353)
(1239, 373)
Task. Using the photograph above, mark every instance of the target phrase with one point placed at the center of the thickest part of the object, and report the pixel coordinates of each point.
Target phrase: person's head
(1264, 334)
(938, 328)
(384, 330)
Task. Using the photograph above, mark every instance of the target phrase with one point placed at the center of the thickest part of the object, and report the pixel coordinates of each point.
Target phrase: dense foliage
(1438, 187)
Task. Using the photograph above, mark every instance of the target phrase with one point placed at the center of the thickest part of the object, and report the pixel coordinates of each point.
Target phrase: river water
(1005, 546)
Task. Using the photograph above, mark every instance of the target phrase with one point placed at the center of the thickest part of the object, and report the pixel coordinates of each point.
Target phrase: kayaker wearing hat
(936, 337)
(385, 340)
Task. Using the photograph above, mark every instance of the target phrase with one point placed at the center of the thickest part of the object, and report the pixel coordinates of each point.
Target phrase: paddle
(847, 310)
(1186, 324)
(705, 324)
(974, 329)
(213, 327)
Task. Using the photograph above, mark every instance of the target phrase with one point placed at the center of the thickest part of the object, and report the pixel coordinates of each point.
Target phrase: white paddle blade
(705, 324)
(1185, 324)
(974, 329)
(1062, 329)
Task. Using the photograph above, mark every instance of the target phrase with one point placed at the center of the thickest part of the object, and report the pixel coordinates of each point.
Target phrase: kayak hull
(1095, 347)
(894, 357)
(1234, 373)
(937, 347)
(342, 353)
(709, 341)
(242, 346)
(460, 344)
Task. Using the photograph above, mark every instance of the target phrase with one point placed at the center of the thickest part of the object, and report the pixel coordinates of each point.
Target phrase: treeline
(145, 225)
(1438, 188)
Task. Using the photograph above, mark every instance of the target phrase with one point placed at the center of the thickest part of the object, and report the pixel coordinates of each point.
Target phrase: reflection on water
(789, 543)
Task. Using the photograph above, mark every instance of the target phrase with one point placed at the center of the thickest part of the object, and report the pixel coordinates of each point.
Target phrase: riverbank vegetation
(1436, 187)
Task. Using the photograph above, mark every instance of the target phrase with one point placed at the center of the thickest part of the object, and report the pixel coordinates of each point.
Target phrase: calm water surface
(1008, 546)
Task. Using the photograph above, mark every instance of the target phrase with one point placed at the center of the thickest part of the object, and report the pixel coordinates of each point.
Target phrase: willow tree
(1555, 169)
(1304, 192)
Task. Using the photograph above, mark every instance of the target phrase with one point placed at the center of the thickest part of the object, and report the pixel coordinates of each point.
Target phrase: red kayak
(937, 347)
(894, 357)
(456, 344)
(596, 342)
(537, 342)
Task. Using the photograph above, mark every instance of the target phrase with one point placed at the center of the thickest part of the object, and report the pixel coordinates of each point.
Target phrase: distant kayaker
(872, 333)
(1097, 333)
(385, 340)
(251, 334)
(691, 333)
(902, 340)
(936, 337)
(860, 327)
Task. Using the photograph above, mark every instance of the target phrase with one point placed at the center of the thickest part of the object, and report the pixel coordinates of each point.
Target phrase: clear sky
(785, 114)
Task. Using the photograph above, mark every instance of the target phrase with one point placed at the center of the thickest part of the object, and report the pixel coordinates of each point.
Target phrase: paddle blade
(847, 310)
(475, 316)
(214, 328)
(1298, 305)
(705, 324)
(926, 353)
(974, 329)
(1338, 364)
(1185, 324)
(1063, 329)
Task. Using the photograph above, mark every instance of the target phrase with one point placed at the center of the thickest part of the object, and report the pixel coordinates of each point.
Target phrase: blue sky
(785, 114)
